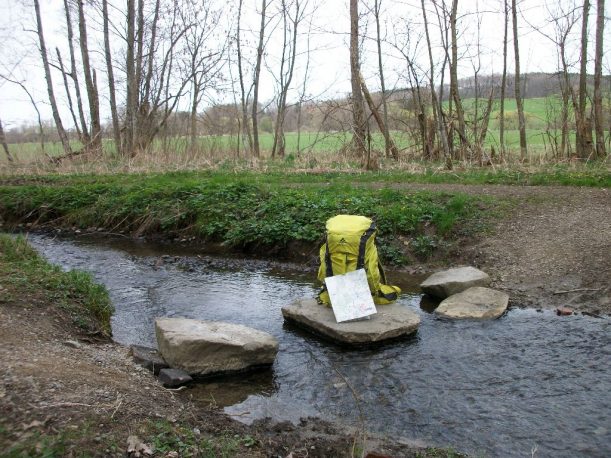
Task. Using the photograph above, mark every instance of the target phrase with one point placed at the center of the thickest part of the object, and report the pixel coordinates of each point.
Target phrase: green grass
(249, 210)
(537, 112)
(23, 272)
(311, 142)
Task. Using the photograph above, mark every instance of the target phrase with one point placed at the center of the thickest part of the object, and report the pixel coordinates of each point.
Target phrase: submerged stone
(209, 347)
(476, 303)
(390, 322)
(453, 281)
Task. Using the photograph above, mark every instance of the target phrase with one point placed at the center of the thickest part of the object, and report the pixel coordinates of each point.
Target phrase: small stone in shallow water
(452, 281)
(172, 378)
(564, 311)
(474, 303)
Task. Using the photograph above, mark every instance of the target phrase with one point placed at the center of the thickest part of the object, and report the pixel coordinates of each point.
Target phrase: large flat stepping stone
(390, 322)
(475, 303)
(211, 347)
(452, 281)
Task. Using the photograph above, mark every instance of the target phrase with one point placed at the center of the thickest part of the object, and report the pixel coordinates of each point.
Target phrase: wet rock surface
(452, 281)
(474, 303)
(391, 322)
(203, 348)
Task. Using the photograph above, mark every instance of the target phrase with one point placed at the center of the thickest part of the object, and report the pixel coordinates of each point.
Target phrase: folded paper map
(350, 296)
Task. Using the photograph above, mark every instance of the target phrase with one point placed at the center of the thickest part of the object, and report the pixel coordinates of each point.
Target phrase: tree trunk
(358, 109)
(583, 135)
(74, 75)
(92, 94)
(454, 79)
(131, 96)
(116, 128)
(286, 79)
(193, 126)
(437, 112)
(598, 99)
(385, 132)
(255, 97)
(518, 84)
(45, 61)
(246, 136)
(503, 84)
(4, 144)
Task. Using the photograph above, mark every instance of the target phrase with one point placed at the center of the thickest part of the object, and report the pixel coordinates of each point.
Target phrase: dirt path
(553, 248)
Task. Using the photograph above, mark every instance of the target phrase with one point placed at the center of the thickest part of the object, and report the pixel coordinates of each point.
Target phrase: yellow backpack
(350, 245)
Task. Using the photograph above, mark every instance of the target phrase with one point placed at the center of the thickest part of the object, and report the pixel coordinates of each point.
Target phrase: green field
(536, 112)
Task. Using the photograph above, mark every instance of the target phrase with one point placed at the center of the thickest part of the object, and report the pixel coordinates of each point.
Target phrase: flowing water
(529, 382)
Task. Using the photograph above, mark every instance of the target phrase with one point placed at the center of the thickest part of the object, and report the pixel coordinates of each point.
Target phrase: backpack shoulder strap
(360, 263)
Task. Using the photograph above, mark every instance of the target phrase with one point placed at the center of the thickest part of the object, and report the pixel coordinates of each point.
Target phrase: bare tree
(460, 113)
(387, 140)
(256, 78)
(583, 135)
(285, 76)
(45, 61)
(503, 81)
(116, 128)
(598, 102)
(518, 84)
(437, 108)
(131, 83)
(74, 76)
(246, 135)
(202, 62)
(90, 83)
(358, 108)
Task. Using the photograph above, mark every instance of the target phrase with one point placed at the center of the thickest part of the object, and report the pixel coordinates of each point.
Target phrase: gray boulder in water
(452, 281)
(475, 303)
(210, 347)
(391, 321)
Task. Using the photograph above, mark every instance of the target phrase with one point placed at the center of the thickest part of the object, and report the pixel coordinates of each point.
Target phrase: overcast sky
(329, 65)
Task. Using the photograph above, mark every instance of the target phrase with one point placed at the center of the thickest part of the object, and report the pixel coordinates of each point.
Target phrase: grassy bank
(247, 211)
(24, 273)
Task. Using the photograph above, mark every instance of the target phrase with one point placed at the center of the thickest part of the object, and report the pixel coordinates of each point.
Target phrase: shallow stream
(529, 382)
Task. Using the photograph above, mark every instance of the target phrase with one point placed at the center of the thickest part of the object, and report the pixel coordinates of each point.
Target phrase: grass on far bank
(247, 211)
(23, 271)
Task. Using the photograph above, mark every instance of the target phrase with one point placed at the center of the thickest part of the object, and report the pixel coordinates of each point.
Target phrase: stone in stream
(452, 281)
(172, 378)
(210, 347)
(391, 321)
(476, 303)
(148, 358)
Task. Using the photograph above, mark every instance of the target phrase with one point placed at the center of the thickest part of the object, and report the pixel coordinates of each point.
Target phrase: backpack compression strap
(360, 263)
(328, 263)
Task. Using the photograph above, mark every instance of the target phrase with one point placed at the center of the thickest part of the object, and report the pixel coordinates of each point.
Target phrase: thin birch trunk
(45, 61)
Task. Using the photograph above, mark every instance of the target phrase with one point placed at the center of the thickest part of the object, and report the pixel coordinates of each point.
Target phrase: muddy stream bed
(528, 383)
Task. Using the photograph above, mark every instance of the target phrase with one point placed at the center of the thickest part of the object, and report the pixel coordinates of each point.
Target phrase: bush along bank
(244, 214)
(24, 273)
